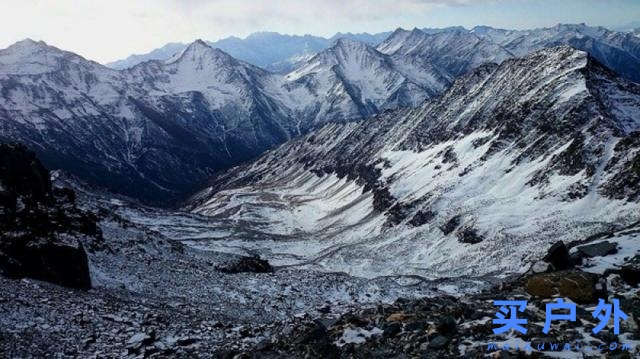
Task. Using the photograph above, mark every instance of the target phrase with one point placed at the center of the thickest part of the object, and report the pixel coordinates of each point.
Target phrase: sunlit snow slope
(512, 158)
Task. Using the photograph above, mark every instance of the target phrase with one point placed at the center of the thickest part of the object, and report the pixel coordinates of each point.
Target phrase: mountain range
(269, 50)
(283, 53)
(476, 182)
(368, 198)
(158, 130)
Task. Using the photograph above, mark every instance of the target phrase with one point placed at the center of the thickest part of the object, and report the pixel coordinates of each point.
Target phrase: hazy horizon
(98, 31)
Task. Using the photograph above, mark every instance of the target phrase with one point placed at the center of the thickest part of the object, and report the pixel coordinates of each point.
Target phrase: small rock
(391, 330)
(183, 342)
(248, 264)
(398, 317)
(419, 325)
(138, 340)
(600, 249)
(540, 267)
(447, 325)
(438, 342)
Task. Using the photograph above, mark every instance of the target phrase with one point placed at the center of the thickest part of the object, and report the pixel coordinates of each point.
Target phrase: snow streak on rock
(477, 182)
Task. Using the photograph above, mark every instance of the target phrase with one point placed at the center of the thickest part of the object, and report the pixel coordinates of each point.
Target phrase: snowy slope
(619, 51)
(161, 128)
(512, 158)
(153, 131)
(352, 80)
(166, 125)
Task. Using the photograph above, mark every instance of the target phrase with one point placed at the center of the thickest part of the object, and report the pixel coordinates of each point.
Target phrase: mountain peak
(199, 43)
(31, 57)
(28, 42)
(349, 45)
(398, 31)
(198, 51)
(28, 46)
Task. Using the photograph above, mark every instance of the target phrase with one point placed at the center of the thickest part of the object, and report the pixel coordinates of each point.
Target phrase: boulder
(447, 326)
(392, 329)
(630, 272)
(438, 342)
(558, 256)
(577, 285)
(541, 267)
(599, 249)
(399, 317)
(60, 263)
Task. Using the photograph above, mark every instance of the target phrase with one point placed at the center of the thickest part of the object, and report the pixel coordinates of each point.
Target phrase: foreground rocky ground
(39, 319)
(150, 295)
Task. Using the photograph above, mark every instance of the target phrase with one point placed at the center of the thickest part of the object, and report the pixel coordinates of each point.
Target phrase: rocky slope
(153, 131)
(474, 183)
(158, 298)
(619, 51)
(457, 50)
(158, 130)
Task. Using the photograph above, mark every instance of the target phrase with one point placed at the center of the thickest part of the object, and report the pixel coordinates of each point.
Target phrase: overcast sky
(109, 30)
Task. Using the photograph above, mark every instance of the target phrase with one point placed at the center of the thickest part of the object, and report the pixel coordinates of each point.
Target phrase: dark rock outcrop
(451, 225)
(41, 230)
(558, 256)
(630, 272)
(469, 236)
(247, 264)
(599, 249)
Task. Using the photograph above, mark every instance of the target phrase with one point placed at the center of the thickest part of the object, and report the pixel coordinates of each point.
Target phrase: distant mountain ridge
(269, 50)
(283, 53)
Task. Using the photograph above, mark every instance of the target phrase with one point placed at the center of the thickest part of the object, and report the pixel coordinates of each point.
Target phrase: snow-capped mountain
(153, 131)
(166, 125)
(352, 80)
(512, 158)
(453, 52)
(283, 53)
(270, 50)
(619, 51)
(457, 50)
(161, 53)
(367, 38)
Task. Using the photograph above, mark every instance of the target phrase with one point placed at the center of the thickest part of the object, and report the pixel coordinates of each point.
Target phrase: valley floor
(154, 296)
